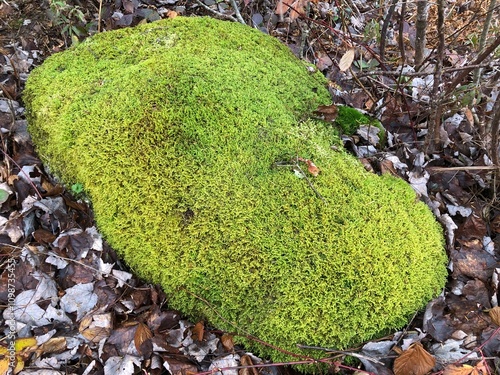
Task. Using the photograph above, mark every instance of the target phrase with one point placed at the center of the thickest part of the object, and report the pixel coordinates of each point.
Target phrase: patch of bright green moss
(350, 119)
(178, 130)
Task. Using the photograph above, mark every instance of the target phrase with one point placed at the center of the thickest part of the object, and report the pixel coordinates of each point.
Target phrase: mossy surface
(350, 119)
(175, 130)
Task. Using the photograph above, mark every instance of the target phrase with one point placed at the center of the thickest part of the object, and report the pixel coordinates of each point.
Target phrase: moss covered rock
(186, 135)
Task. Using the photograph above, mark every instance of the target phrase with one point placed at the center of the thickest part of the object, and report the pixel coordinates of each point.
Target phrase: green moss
(176, 130)
(350, 119)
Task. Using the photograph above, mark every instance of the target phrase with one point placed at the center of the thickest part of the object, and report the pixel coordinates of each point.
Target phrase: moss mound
(181, 131)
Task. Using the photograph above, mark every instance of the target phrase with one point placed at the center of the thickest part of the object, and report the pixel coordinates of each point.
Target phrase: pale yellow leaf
(346, 60)
(458, 370)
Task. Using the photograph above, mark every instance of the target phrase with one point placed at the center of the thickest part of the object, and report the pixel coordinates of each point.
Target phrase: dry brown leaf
(346, 60)
(96, 327)
(458, 370)
(246, 360)
(327, 112)
(54, 345)
(172, 14)
(494, 314)
(283, 6)
(414, 361)
(469, 115)
(142, 334)
(482, 367)
(312, 168)
(296, 8)
(198, 331)
(227, 342)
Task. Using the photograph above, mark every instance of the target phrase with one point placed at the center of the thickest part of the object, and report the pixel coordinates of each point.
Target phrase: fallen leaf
(142, 334)
(198, 331)
(227, 342)
(346, 60)
(80, 299)
(283, 6)
(327, 112)
(311, 167)
(54, 345)
(469, 116)
(458, 370)
(246, 360)
(96, 327)
(25, 343)
(494, 314)
(172, 14)
(121, 365)
(414, 361)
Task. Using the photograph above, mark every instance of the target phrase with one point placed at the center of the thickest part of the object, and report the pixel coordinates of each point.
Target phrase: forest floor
(49, 241)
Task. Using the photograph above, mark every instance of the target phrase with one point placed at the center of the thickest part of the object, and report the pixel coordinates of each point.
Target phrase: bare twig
(400, 33)
(471, 168)
(352, 354)
(484, 36)
(222, 15)
(421, 26)
(482, 56)
(433, 139)
(237, 12)
(495, 128)
(383, 32)
(99, 17)
(396, 73)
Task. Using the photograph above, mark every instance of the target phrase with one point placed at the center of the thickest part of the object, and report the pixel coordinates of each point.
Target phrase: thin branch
(215, 12)
(237, 12)
(484, 37)
(383, 32)
(352, 354)
(458, 80)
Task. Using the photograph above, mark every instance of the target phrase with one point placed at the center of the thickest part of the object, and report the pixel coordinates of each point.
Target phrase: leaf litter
(77, 309)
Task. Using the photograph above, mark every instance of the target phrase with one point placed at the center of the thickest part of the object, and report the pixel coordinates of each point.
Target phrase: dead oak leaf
(198, 331)
(142, 334)
(458, 370)
(494, 314)
(414, 361)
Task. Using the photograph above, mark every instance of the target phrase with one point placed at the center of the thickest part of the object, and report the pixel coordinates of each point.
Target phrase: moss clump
(177, 129)
(350, 119)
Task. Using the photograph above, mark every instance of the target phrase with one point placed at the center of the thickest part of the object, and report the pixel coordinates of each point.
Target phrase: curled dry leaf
(494, 314)
(96, 327)
(458, 370)
(414, 361)
(142, 334)
(346, 60)
(198, 331)
(54, 345)
(311, 167)
(227, 342)
(246, 360)
(327, 112)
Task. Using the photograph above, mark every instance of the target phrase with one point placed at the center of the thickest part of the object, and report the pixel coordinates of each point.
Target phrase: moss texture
(350, 119)
(178, 130)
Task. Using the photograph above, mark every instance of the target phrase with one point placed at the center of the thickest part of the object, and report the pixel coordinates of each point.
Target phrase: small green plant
(77, 189)
(68, 17)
